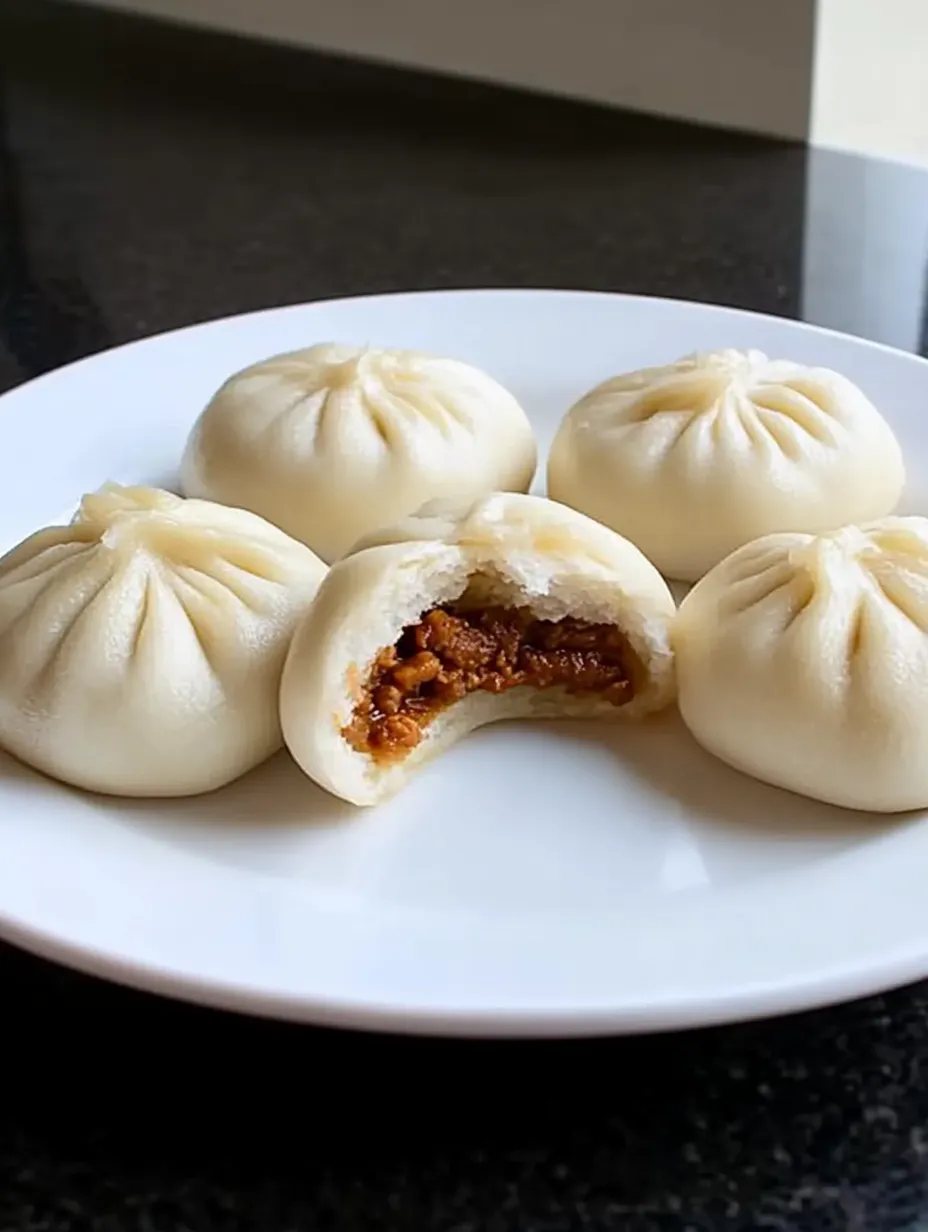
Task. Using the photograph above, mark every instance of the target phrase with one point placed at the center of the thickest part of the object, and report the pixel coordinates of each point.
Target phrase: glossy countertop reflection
(152, 178)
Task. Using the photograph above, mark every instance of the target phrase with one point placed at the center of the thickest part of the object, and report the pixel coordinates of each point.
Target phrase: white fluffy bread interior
(803, 660)
(370, 597)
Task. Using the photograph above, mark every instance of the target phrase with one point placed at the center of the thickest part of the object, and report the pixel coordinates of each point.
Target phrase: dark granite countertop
(150, 178)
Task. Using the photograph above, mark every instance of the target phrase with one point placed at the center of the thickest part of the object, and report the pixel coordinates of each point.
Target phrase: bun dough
(507, 550)
(692, 460)
(333, 441)
(141, 646)
(803, 661)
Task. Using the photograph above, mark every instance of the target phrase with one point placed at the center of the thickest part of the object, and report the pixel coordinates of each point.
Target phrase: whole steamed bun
(141, 645)
(803, 660)
(511, 552)
(692, 460)
(332, 442)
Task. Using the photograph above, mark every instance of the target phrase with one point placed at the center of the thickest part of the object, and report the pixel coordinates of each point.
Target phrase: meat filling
(451, 653)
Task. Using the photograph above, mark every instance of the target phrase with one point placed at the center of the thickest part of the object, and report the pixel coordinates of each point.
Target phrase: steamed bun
(451, 620)
(803, 661)
(334, 441)
(141, 646)
(692, 460)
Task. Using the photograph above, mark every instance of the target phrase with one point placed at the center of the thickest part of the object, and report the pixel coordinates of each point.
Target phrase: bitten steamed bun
(515, 607)
(803, 661)
(692, 460)
(141, 646)
(332, 442)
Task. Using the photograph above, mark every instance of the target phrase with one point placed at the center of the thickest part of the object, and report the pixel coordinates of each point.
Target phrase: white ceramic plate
(535, 881)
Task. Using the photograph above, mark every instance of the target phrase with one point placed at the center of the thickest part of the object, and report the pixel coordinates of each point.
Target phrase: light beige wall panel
(741, 63)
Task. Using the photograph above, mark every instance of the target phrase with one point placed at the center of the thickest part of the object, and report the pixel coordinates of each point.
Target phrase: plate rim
(840, 988)
(423, 292)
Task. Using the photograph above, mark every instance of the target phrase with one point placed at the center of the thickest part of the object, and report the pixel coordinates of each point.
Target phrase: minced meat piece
(451, 653)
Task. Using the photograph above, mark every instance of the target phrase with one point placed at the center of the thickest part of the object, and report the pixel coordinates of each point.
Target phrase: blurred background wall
(846, 74)
(871, 78)
(742, 63)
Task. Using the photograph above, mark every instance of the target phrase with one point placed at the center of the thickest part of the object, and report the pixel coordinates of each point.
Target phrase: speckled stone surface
(153, 178)
(123, 1112)
(159, 179)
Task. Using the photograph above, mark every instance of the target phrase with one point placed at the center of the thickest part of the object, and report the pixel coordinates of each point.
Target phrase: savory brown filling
(450, 653)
